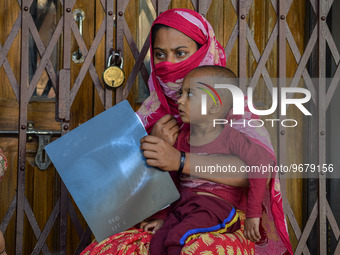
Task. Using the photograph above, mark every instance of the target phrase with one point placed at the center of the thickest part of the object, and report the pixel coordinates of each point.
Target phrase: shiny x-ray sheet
(103, 168)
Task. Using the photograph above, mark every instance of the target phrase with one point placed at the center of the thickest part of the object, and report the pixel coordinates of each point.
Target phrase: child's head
(199, 81)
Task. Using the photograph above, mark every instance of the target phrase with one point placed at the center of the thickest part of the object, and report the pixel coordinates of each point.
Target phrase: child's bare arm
(252, 229)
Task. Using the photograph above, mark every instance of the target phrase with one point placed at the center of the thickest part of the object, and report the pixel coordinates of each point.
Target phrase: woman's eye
(190, 94)
(160, 55)
(181, 53)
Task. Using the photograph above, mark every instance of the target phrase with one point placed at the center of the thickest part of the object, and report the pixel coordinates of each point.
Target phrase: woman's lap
(136, 241)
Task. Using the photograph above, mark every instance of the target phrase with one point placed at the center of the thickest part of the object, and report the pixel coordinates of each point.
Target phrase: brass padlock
(113, 75)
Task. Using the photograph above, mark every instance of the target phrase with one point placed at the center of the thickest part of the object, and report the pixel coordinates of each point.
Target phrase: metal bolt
(23, 127)
(110, 13)
(282, 17)
(65, 127)
(26, 8)
(323, 18)
(68, 9)
(22, 168)
(283, 132)
(120, 13)
(322, 133)
(243, 16)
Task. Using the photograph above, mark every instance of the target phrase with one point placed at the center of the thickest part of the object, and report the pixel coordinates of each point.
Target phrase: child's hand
(152, 225)
(252, 229)
(159, 153)
(166, 128)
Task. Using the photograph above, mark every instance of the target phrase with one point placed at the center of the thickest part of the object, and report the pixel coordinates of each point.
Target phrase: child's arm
(256, 157)
(256, 191)
(252, 229)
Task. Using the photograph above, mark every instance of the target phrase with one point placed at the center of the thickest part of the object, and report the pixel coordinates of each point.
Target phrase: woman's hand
(152, 225)
(159, 153)
(166, 128)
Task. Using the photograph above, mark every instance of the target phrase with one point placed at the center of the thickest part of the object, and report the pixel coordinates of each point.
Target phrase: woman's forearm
(161, 154)
(223, 169)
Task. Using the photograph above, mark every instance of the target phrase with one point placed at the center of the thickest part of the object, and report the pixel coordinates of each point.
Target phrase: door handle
(79, 16)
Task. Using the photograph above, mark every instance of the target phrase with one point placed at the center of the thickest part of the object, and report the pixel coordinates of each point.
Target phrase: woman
(180, 41)
(175, 50)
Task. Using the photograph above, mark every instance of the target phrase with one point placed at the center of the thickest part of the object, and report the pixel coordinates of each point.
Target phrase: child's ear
(215, 108)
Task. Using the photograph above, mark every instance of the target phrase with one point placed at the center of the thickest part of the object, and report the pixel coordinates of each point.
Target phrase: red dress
(231, 142)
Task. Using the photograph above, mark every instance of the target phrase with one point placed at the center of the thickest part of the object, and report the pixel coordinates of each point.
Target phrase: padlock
(113, 75)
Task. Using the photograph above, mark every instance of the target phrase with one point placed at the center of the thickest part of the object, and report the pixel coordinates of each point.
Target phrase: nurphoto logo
(239, 104)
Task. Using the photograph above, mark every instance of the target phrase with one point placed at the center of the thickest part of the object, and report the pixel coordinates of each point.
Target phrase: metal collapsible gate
(113, 31)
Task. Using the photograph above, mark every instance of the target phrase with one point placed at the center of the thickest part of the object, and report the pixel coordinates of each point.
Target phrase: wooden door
(262, 38)
(35, 206)
(38, 39)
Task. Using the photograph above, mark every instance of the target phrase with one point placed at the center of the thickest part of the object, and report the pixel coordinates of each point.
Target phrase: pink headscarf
(166, 78)
(164, 84)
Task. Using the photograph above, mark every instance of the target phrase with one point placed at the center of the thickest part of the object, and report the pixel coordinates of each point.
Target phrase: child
(3, 166)
(2, 245)
(207, 206)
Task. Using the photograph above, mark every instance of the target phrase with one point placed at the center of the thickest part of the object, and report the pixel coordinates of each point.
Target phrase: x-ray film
(104, 170)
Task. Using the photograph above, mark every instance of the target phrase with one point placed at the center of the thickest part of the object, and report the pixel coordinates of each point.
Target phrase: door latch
(42, 160)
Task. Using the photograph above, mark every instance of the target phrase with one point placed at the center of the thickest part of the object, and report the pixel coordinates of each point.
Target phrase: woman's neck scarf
(165, 82)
